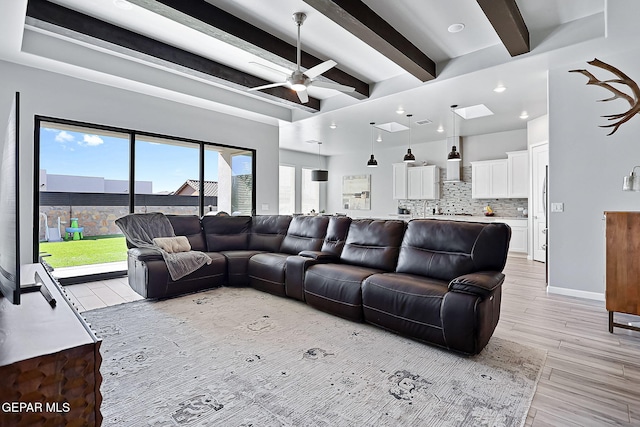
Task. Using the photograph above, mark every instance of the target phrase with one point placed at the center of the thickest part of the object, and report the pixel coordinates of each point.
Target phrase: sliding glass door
(90, 175)
(83, 185)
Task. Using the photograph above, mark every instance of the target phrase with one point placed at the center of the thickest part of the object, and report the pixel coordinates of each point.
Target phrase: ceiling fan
(299, 81)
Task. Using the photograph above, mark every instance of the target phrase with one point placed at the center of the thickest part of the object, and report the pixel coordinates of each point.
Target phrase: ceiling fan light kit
(298, 80)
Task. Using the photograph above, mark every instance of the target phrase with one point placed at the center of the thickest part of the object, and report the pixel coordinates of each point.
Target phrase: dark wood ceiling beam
(224, 21)
(66, 18)
(506, 19)
(357, 18)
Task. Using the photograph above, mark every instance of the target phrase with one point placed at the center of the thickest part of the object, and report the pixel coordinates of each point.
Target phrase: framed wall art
(356, 192)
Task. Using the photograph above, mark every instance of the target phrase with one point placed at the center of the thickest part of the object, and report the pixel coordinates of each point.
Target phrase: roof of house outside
(210, 187)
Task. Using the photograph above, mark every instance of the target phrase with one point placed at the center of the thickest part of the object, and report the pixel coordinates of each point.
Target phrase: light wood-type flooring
(590, 378)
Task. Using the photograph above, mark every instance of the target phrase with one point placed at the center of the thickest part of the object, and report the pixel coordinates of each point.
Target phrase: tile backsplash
(455, 197)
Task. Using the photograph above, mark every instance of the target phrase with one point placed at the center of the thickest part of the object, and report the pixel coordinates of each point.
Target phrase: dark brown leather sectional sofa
(432, 280)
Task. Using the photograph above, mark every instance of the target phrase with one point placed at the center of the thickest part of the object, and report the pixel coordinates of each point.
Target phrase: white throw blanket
(141, 229)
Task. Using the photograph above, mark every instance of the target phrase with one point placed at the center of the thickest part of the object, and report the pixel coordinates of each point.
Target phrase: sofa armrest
(320, 256)
(145, 254)
(482, 284)
(296, 268)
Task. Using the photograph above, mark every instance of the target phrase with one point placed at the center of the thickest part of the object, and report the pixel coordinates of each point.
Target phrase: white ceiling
(470, 63)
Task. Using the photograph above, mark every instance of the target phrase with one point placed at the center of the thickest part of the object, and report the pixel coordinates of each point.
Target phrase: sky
(64, 152)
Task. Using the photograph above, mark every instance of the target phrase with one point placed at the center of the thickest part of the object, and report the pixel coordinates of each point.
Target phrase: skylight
(392, 127)
(473, 112)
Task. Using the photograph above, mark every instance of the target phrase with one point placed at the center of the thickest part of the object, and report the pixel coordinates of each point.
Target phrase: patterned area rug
(241, 357)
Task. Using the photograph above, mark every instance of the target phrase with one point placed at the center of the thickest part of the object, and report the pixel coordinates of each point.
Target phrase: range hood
(453, 168)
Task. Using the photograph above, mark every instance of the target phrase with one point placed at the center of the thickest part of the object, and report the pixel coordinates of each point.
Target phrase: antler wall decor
(623, 79)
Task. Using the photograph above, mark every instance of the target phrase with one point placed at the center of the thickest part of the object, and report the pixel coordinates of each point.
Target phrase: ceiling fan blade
(336, 86)
(266, 67)
(320, 68)
(266, 86)
(304, 97)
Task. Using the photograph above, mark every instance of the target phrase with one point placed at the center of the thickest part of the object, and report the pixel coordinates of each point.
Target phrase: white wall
(538, 130)
(477, 147)
(301, 160)
(586, 167)
(53, 95)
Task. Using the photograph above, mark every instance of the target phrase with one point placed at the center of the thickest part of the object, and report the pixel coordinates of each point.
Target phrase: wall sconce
(631, 182)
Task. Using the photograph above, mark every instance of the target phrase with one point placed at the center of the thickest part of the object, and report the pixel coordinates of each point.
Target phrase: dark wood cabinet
(49, 361)
(622, 265)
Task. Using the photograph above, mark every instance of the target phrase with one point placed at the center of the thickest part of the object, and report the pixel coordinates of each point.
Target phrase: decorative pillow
(173, 244)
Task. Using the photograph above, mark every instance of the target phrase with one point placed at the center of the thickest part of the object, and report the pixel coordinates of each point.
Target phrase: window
(287, 190)
(310, 193)
(171, 167)
(228, 180)
(84, 183)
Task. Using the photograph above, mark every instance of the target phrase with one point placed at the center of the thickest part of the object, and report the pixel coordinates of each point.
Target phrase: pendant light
(409, 157)
(372, 163)
(454, 155)
(319, 174)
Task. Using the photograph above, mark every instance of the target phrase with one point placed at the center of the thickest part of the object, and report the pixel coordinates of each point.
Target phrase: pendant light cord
(409, 115)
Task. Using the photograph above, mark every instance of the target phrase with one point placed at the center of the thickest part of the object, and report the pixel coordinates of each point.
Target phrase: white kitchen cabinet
(518, 174)
(519, 235)
(489, 179)
(399, 179)
(423, 182)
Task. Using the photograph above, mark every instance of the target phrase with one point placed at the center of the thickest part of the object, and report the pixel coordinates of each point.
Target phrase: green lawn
(90, 250)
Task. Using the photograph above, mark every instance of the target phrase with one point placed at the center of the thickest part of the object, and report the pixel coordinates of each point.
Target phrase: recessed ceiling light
(379, 138)
(122, 4)
(524, 115)
(456, 28)
(333, 125)
(400, 110)
(499, 89)
(440, 129)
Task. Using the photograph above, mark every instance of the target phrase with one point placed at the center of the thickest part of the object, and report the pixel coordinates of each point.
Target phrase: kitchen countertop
(473, 218)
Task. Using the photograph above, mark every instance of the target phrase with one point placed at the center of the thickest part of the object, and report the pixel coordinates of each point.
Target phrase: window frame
(38, 120)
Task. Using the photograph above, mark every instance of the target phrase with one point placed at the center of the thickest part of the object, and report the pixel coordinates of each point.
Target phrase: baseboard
(575, 293)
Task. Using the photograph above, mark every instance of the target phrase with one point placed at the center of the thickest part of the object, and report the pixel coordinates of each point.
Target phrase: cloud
(64, 136)
(91, 141)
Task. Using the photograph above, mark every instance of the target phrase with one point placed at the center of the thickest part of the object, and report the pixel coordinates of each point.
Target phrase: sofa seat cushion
(335, 288)
(267, 272)
(238, 266)
(150, 277)
(406, 303)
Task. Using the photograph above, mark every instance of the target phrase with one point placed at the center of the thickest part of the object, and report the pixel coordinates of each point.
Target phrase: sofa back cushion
(226, 233)
(443, 249)
(189, 226)
(305, 233)
(267, 232)
(336, 235)
(373, 243)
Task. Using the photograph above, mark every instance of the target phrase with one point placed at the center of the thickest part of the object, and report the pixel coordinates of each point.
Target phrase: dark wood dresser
(622, 265)
(49, 361)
